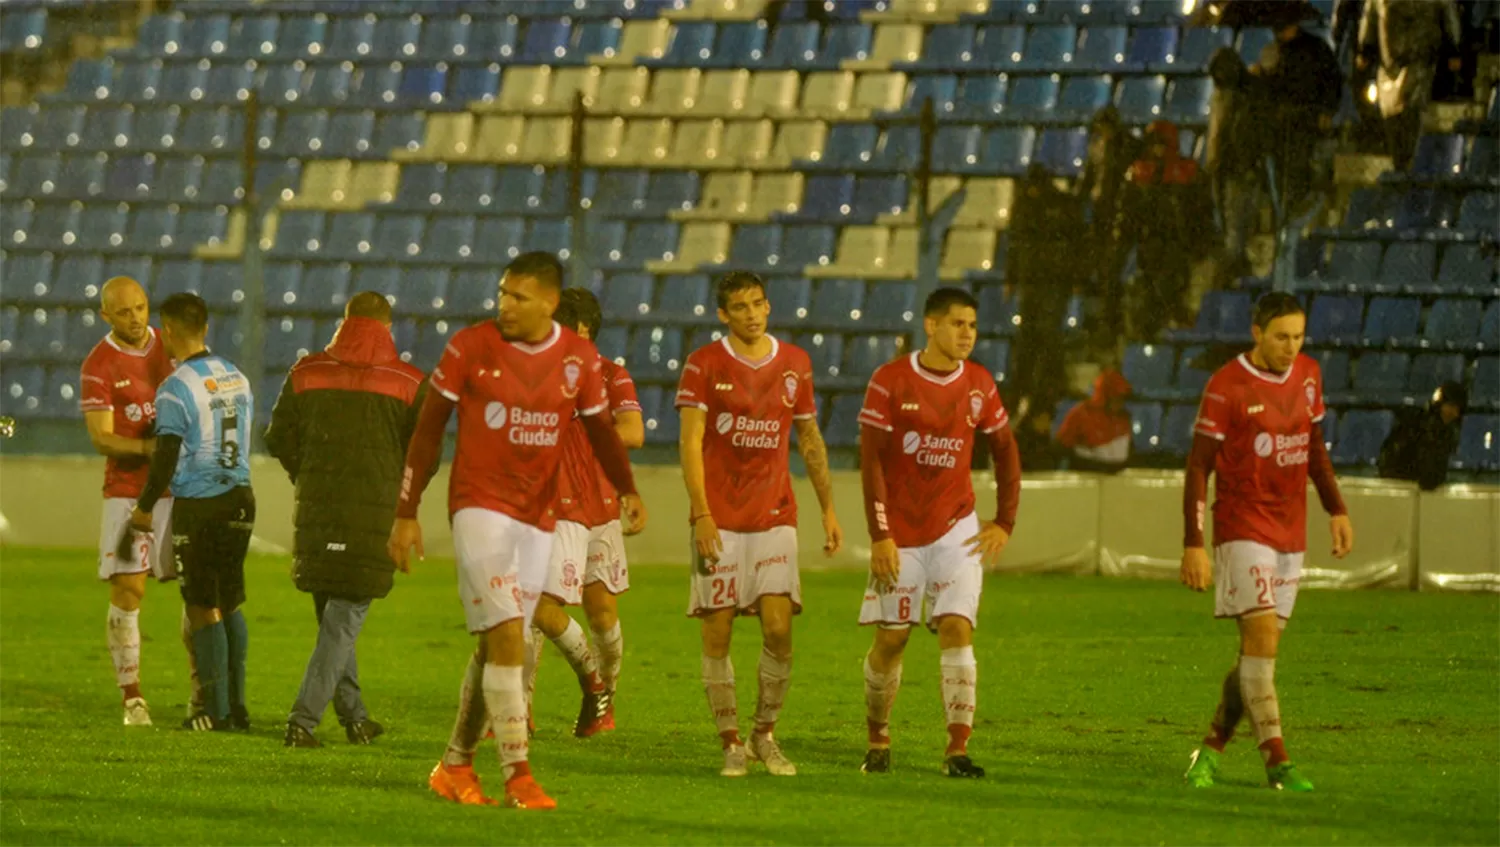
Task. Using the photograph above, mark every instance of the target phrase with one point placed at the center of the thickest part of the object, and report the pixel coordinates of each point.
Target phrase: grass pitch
(1092, 694)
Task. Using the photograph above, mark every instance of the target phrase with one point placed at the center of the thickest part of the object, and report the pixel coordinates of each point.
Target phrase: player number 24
(725, 591)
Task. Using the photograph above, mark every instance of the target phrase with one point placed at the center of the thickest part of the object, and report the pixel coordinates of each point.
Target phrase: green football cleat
(1200, 772)
(1284, 777)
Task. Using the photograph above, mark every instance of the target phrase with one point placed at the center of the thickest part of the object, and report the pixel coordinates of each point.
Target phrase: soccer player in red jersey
(927, 545)
(516, 383)
(1259, 432)
(740, 398)
(588, 545)
(117, 394)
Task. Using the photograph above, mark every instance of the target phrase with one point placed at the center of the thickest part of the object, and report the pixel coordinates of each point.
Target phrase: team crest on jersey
(572, 370)
(976, 405)
(789, 389)
(1310, 388)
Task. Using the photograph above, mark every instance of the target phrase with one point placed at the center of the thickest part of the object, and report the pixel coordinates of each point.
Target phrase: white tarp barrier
(1460, 538)
(1057, 528)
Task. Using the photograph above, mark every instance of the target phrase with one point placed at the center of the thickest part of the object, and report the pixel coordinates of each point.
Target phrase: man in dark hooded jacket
(340, 429)
(1419, 447)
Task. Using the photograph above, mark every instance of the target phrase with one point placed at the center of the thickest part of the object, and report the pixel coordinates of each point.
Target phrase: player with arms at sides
(916, 441)
(588, 547)
(739, 399)
(1259, 433)
(204, 412)
(117, 395)
(516, 383)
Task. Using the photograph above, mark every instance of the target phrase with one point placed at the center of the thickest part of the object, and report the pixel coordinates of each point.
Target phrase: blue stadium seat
(23, 30)
(837, 303)
(627, 297)
(473, 292)
(473, 83)
(396, 37)
(1489, 327)
(1145, 427)
(1393, 322)
(594, 37)
(826, 197)
(1422, 209)
(176, 276)
(1190, 377)
(1198, 46)
(53, 226)
(1430, 370)
(1479, 443)
(1360, 434)
(889, 306)
(807, 245)
(160, 35)
(1408, 267)
(204, 131)
(301, 36)
(1381, 377)
(1465, 270)
(28, 276)
(1351, 265)
(756, 246)
(655, 353)
(1151, 47)
(997, 313)
(955, 149)
(232, 83)
(843, 42)
(498, 240)
(136, 81)
(10, 323)
(301, 134)
(252, 36)
(494, 36)
(35, 176)
(1082, 96)
(449, 238)
(843, 420)
(107, 128)
(376, 86)
(350, 235)
(980, 96)
(101, 227)
(1139, 99)
(199, 226)
(130, 178)
(156, 129)
(1007, 150)
(690, 44)
(791, 300)
(324, 288)
(282, 282)
(1049, 47)
(545, 41)
(555, 235)
(278, 177)
(223, 283)
(848, 147)
(1453, 325)
(1100, 48)
(994, 356)
(1485, 393)
(381, 279)
(58, 127)
(432, 338)
(423, 291)
(1336, 320)
(16, 124)
(620, 191)
(518, 187)
(1438, 157)
(999, 47)
(183, 83)
(1177, 429)
(864, 354)
(1149, 369)
(1483, 162)
(940, 89)
(1031, 98)
(1369, 209)
(329, 85)
(422, 85)
(826, 350)
(1188, 99)
(1063, 150)
(24, 389)
(445, 38)
(397, 132)
(792, 45)
(613, 342)
(422, 187)
(289, 339)
(81, 177)
(204, 35)
(667, 192)
(686, 299)
(878, 195)
(947, 46)
(649, 241)
(1479, 212)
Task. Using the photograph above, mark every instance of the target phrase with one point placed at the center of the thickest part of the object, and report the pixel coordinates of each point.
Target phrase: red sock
(958, 739)
(880, 733)
(517, 770)
(1217, 738)
(730, 738)
(131, 691)
(594, 684)
(1274, 752)
(764, 728)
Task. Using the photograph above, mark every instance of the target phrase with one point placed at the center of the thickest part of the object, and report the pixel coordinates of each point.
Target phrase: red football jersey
(124, 381)
(1265, 423)
(750, 407)
(584, 495)
(515, 400)
(931, 419)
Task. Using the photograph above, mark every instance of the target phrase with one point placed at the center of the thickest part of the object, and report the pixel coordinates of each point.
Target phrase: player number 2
(725, 591)
(1265, 591)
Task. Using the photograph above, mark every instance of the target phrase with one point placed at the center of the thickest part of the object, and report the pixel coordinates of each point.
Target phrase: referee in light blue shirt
(203, 417)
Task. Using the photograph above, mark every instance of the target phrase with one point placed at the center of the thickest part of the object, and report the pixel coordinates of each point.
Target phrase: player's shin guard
(880, 697)
(775, 679)
(211, 645)
(574, 645)
(960, 686)
(123, 634)
(718, 684)
(505, 695)
(472, 716)
(1258, 686)
(238, 636)
(1229, 713)
(609, 645)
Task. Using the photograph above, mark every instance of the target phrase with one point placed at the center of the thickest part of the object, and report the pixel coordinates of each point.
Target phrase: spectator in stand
(1034, 440)
(1163, 215)
(1301, 80)
(1111, 150)
(1234, 158)
(1044, 267)
(1098, 430)
(1419, 447)
(1405, 39)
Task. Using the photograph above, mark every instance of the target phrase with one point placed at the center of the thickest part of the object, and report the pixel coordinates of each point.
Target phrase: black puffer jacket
(340, 428)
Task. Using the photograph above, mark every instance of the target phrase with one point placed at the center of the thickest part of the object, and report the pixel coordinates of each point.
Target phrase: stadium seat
(1351, 265)
(1407, 267)
(1187, 100)
(289, 339)
(826, 350)
(863, 355)
(889, 306)
(1381, 377)
(1149, 369)
(1465, 269)
(1031, 98)
(1139, 99)
(655, 352)
(1453, 325)
(1063, 150)
(1485, 393)
(1360, 434)
(843, 428)
(628, 297)
(1483, 162)
(1049, 47)
(1082, 96)
(1006, 150)
(1430, 370)
(223, 284)
(1334, 366)
(837, 303)
(324, 288)
(994, 356)
(81, 177)
(1100, 48)
(1489, 327)
(1438, 156)
(1336, 320)
(24, 391)
(1151, 48)
(999, 47)
(791, 300)
(28, 277)
(1479, 443)
(1145, 427)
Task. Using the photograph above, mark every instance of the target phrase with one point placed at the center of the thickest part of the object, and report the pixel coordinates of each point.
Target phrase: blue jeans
(332, 671)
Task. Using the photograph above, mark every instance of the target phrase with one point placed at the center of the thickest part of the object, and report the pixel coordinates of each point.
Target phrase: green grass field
(1092, 694)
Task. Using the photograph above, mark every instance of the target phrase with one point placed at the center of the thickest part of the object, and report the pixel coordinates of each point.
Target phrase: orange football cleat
(460, 784)
(522, 792)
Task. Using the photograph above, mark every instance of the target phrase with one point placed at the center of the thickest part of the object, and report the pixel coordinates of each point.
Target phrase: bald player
(117, 394)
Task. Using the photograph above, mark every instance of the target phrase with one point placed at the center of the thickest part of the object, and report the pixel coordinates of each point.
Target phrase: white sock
(505, 696)
(469, 724)
(574, 645)
(880, 697)
(960, 686)
(718, 684)
(1258, 688)
(609, 644)
(535, 640)
(775, 679)
(123, 634)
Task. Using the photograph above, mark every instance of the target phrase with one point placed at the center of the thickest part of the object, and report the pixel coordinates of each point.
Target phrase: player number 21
(725, 591)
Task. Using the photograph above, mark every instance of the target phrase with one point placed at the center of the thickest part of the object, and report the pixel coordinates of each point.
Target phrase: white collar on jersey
(1285, 375)
(775, 348)
(540, 345)
(129, 351)
(924, 373)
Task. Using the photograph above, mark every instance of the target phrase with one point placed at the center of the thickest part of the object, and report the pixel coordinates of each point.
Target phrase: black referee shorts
(210, 537)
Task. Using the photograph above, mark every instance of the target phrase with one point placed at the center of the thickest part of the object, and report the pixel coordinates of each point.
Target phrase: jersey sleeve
(1214, 411)
(992, 416)
(593, 393)
(622, 395)
(452, 371)
(94, 390)
(876, 411)
(692, 388)
(806, 404)
(174, 408)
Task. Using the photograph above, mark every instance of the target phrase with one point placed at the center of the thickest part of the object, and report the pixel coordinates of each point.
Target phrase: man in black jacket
(1419, 447)
(340, 428)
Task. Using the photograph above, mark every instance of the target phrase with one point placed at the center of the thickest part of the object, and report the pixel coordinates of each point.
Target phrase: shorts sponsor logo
(932, 450)
(779, 559)
(749, 433)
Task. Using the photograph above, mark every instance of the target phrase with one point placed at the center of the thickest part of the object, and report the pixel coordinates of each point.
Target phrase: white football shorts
(601, 549)
(502, 564)
(153, 551)
(751, 566)
(1251, 577)
(942, 578)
